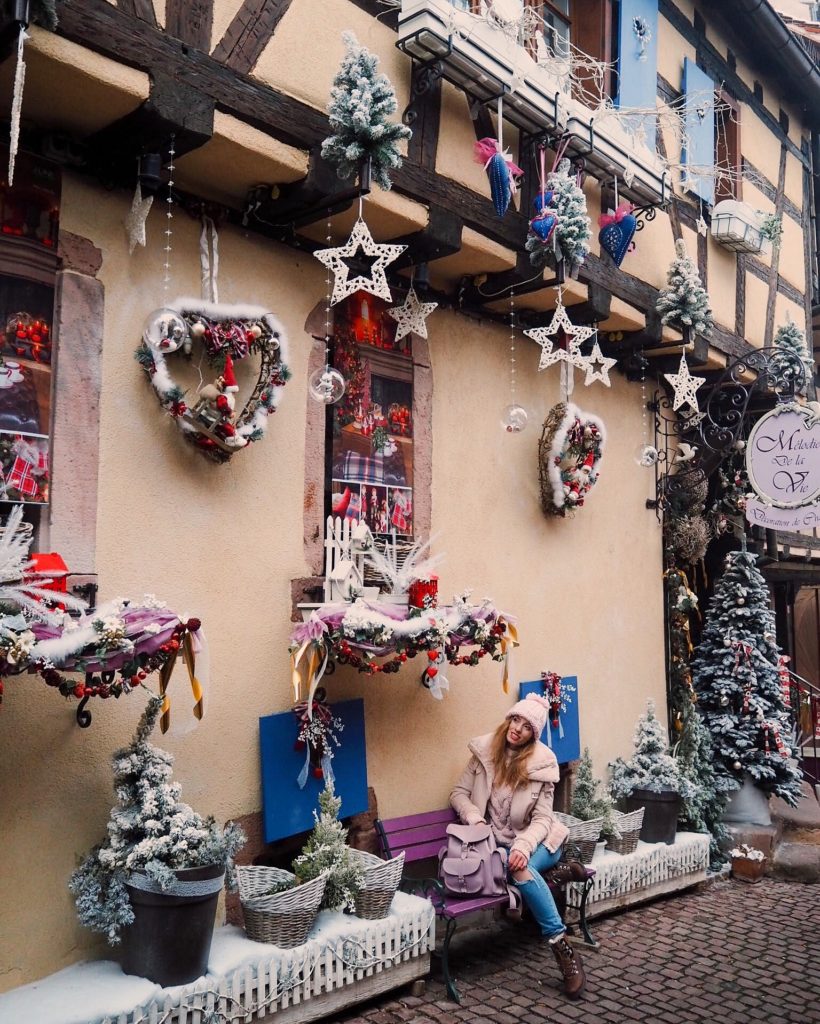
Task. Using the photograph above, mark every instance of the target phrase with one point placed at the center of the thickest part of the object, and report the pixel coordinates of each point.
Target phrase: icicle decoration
(209, 259)
(17, 102)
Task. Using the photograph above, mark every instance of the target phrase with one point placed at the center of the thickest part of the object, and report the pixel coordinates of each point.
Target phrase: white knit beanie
(534, 708)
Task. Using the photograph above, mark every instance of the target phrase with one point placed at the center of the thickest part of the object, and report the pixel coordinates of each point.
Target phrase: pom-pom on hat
(534, 709)
(228, 375)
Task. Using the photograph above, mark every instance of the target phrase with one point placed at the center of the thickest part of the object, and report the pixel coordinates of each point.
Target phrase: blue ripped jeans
(536, 893)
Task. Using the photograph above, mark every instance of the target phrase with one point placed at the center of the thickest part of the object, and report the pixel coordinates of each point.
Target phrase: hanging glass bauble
(326, 385)
(164, 330)
(514, 419)
(646, 455)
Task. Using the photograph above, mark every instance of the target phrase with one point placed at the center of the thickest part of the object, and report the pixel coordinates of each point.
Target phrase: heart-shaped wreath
(227, 334)
(569, 455)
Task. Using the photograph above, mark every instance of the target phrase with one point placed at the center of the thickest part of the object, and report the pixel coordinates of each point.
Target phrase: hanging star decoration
(597, 356)
(629, 175)
(564, 334)
(411, 318)
(685, 386)
(380, 256)
(702, 226)
(135, 221)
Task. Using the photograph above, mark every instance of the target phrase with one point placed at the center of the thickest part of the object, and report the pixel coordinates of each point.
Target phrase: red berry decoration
(318, 773)
(79, 690)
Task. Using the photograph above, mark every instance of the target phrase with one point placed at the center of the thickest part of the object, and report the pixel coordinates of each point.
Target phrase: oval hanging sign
(783, 457)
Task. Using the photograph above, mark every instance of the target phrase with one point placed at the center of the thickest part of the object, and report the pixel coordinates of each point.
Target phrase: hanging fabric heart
(543, 225)
(617, 232)
(542, 201)
(214, 423)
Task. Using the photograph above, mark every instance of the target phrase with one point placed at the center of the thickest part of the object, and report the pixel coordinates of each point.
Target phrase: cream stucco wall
(223, 542)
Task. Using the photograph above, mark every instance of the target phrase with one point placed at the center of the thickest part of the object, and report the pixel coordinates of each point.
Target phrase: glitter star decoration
(685, 386)
(597, 356)
(411, 318)
(564, 334)
(380, 256)
(135, 221)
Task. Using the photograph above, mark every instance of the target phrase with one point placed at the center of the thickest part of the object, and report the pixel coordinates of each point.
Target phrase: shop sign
(783, 464)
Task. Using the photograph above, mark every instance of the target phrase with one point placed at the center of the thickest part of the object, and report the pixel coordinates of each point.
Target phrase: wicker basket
(283, 918)
(583, 835)
(629, 829)
(381, 879)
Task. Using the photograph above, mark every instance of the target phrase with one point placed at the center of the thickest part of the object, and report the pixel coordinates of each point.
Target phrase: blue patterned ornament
(616, 236)
(542, 201)
(498, 172)
(544, 221)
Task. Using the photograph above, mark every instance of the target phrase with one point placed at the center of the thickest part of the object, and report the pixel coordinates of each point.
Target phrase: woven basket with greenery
(629, 832)
(381, 879)
(279, 918)
(583, 835)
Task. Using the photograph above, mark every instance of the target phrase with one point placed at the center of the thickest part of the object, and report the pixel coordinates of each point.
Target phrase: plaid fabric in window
(368, 469)
(21, 477)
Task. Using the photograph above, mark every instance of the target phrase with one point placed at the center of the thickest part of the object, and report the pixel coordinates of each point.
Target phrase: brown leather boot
(566, 871)
(569, 963)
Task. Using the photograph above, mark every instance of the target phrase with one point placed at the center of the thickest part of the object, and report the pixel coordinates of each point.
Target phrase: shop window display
(371, 455)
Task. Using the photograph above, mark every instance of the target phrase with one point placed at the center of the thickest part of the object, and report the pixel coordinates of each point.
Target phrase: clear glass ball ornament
(164, 330)
(646, 455)
(326, 385)
(514, 419)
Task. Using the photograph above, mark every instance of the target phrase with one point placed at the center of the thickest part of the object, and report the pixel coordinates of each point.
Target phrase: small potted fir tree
(154, 882)
(587, 804)
(652, 779)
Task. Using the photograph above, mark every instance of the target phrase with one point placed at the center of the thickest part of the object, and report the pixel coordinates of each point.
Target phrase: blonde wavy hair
(509, 771)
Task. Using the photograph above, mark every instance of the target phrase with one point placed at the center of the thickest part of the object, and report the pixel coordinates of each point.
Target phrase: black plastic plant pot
(170, 939)
(660, 819)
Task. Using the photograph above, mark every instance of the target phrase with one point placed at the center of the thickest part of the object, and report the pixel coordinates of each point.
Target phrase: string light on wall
(514, 418)
(646, 454)
(326, 385)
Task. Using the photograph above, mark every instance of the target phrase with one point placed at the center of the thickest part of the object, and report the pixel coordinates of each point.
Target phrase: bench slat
(455, 906)
(410, 821)
(420, 852)
(408, 838)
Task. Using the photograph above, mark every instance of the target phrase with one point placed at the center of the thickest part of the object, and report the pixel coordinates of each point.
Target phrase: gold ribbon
(314, 652)
(165, 673)
(509, 640)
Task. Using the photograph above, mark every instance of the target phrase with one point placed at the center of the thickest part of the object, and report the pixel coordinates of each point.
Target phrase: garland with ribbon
(318, 733)
(379, 638)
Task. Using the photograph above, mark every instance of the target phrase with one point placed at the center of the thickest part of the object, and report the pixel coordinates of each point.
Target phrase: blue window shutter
(637, 62)
(699, 142)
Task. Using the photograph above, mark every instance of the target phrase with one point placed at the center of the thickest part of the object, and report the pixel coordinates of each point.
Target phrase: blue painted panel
(637, 64)
(566, 747)
(286, 809)
(699, 142)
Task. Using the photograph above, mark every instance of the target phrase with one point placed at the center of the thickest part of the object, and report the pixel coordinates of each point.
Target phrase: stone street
(733, 952)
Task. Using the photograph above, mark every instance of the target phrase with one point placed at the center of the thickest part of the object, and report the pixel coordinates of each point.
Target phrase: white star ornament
(135, 221)
(685, 386)
(597, 356)
(345, 285)
(411, 318)
(560, 329)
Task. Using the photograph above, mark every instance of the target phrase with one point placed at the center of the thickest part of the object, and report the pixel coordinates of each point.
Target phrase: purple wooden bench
(420, 837)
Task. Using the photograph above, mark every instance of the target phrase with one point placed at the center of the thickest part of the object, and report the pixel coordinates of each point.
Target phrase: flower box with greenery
(154, 882)
(652, 779)
(748, 863)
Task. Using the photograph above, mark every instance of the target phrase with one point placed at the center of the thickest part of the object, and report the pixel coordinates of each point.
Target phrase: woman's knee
(524, 875)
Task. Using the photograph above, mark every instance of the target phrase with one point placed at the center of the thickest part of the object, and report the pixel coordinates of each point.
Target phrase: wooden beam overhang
(173, 109)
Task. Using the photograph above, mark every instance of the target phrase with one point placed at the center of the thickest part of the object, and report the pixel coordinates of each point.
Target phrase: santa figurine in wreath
(217, 407)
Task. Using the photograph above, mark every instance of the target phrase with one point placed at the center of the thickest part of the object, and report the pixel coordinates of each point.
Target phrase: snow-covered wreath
(213, 421)
(569, 455)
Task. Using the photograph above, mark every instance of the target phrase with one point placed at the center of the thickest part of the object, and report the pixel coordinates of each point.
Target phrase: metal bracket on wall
(424, 77)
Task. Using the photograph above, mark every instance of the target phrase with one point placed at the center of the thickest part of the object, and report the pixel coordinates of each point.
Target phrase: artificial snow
(88, 992)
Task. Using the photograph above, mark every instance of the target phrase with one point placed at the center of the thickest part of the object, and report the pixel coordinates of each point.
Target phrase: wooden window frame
(727, 145)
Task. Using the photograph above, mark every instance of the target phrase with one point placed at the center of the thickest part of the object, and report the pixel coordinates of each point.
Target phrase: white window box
(737, 226)
(481, 58)
(487, 61)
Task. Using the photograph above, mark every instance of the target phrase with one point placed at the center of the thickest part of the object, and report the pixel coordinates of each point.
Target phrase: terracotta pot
(748, 870)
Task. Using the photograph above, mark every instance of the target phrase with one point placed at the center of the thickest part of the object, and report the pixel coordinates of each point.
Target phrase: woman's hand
(517, 861)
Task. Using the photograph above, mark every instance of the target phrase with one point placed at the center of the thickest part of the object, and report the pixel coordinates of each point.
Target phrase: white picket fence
(290, 978)
(653, 869)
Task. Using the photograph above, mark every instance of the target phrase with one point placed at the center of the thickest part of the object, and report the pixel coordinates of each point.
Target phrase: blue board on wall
(286, 809)
(566, 747)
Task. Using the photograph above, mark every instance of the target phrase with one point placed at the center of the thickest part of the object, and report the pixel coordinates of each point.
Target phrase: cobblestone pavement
(731, 953)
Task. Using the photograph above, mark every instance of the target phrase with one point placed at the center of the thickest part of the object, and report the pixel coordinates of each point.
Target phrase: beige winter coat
(531, 813)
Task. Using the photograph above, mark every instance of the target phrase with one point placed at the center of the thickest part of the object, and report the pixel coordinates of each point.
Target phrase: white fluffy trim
(558, 443)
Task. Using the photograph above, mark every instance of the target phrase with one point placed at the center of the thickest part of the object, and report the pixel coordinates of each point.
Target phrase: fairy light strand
(169, 215)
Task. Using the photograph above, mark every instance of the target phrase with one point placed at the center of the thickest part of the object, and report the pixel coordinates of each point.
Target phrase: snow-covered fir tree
(651, 766)
(684, 303)
(586, 802)
(149, 830)
(327, 850)
(362, 101)
(736, 679)
(570, 239)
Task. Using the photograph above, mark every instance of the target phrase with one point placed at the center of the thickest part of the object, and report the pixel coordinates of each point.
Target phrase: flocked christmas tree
(362, 101)
(570, 239)
(327, 850)
(735, 673)
(791, 353)
(651, 766)
(684, 303)
(149, 831)
(586, 803)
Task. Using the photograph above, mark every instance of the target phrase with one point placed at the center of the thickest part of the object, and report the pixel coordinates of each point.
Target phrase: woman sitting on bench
(509, 784)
